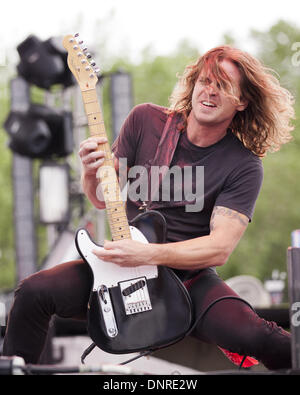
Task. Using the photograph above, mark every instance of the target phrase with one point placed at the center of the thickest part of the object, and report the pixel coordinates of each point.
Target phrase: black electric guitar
(130, 308)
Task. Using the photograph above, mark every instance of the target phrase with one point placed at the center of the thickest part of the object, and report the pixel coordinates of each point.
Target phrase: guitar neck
(106, 174)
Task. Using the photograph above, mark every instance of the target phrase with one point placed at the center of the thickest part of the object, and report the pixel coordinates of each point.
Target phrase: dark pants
(64, 291)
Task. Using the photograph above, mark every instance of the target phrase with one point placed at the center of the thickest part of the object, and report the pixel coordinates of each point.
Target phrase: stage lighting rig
(44, 63)
(41, 132)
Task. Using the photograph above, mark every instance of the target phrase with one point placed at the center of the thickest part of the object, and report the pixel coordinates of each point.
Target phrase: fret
(91, 108)
(115, 209)
(122, 221)
(114, 212)
(98, 134)
(97, 129)
(89, 96)
(96, 119)
(117, 217)
(121, 215)
(118, 224)
(116, 206)
(110, 196)
(108, 162)
(108, 183)
(122, 237)
(118, 229)
(115, 228)
(107, 176)
(107, 172)
(110, 187)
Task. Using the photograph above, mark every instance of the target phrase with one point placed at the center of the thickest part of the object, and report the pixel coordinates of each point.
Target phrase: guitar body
(170, 315)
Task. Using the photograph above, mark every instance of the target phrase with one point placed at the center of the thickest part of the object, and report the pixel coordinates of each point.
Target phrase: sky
(130, 26)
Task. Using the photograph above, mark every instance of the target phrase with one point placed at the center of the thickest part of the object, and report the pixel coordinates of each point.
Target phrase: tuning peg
(97, 70)
(93, 63)
(76, 35)
(88, 55)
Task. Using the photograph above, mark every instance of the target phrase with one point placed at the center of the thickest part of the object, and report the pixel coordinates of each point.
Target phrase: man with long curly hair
(226, 112)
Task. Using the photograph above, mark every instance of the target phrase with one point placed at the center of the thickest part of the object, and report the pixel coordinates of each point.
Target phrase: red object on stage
(237, 359)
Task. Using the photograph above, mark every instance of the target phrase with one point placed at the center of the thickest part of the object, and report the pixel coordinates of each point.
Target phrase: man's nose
(211, 88)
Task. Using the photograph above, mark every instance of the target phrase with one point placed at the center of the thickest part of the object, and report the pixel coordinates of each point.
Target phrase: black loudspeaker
(43, 63)
(41, 132)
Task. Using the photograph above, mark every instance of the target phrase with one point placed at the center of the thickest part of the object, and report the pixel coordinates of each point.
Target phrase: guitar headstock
(80, 63)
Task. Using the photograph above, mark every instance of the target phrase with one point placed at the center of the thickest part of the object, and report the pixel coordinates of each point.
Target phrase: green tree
(155, 76)
(277, 48)
(7, 269)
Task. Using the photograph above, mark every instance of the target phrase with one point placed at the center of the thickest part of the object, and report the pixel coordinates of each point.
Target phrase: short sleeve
(242, 188)
(125, 145)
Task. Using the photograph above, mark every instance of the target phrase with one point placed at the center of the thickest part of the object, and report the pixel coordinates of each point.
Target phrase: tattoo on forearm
(226, 212)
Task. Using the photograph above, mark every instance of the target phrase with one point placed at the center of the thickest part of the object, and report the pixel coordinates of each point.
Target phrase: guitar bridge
(135, 295)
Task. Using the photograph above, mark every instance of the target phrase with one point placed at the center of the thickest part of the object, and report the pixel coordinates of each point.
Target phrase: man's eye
(207, 82)
(204, 81)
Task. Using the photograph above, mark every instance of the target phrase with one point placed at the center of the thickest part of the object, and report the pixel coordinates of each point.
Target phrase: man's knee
(29, 286)
(31, 291)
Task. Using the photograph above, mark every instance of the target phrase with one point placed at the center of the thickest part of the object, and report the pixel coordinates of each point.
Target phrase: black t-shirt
(232, 173)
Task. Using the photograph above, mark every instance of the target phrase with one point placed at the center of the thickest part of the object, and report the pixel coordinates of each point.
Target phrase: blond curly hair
(266, 122)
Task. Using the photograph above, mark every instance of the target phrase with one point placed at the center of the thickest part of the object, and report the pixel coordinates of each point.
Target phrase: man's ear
(243, 105)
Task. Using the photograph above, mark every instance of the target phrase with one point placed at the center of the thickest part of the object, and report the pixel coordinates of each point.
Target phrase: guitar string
(136, 271)
(91, 103)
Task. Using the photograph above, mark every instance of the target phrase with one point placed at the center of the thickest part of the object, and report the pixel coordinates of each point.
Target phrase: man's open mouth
(208, 103)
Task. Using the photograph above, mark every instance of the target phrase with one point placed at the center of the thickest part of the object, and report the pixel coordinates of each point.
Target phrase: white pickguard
(109, 273)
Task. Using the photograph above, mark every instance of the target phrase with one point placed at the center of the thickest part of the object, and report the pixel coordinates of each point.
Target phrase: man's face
(210, 106)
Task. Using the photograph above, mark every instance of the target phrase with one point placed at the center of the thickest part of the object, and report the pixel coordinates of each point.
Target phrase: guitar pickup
(135, 295)
(133, 288)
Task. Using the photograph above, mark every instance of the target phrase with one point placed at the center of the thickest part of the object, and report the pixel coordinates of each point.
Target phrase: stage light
(54, 193)
(28, 137)
(43, 63)
(41, 132)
